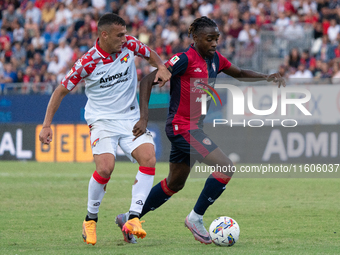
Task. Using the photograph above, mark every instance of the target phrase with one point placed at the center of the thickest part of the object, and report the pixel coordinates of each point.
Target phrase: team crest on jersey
(207, 141)
(125, 59)
(95, 142)
(174, 60)
(214, 67)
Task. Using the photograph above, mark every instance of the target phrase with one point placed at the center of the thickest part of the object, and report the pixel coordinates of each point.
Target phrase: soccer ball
(224, 231)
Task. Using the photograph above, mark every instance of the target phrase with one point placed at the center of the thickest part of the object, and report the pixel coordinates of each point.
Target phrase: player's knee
(226, 163)
(176, 186)
(149, 160)
(105, 171)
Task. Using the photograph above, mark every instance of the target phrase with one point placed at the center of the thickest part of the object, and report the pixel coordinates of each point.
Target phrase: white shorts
(106, 135)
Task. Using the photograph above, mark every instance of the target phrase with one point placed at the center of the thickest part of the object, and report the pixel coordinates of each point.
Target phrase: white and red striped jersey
(110, 81)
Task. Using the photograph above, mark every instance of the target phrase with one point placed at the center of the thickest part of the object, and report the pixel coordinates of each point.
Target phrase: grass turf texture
(42, 207)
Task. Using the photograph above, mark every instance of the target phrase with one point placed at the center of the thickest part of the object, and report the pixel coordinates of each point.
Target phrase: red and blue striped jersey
(189, 70)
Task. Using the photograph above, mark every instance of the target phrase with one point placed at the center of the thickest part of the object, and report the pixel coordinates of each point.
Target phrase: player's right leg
(104, 151)
(213, 188)
(96, 190)
(144, 153)
(164, 190)
(178, 173)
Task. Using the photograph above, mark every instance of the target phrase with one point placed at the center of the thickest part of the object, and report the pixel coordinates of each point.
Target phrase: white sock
(95, 195)
(140, 191)
(194, 216)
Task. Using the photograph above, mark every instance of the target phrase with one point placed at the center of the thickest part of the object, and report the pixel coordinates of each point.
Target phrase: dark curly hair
(199, 24)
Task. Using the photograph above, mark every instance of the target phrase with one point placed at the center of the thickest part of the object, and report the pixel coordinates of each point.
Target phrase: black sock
(87, 218)
(159, 194)
(133, 215)
(211, 191)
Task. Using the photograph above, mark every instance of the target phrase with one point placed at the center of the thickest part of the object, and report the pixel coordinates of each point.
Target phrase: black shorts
(190, 146)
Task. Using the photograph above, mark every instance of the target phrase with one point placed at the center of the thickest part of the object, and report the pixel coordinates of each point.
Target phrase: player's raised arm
(46, 134)
(163, 73)
(238, 73)
(144, 98)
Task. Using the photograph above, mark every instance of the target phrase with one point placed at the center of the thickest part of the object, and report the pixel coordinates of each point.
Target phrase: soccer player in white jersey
(112, 112)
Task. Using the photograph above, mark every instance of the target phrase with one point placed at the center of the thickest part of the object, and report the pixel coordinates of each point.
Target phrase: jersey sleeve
(80, 70)
(224, 63)
(139, 48)
(177, 64)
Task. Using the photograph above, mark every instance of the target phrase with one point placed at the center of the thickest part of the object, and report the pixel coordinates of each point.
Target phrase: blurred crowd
(40, 40)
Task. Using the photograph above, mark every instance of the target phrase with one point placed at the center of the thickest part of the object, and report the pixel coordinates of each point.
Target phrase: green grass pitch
(42, 206)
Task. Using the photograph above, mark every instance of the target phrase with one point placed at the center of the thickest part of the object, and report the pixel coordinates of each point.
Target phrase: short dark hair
(109, 19)
(199, 24)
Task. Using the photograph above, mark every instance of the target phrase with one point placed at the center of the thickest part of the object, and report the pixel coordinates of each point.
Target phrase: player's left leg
(139, 150)
(214, 185)
(145, 156)
(205, 150)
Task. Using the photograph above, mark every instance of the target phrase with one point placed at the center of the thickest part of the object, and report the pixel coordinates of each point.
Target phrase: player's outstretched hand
(45, 135)
(276, 77)
(163, 75)
(139, 128)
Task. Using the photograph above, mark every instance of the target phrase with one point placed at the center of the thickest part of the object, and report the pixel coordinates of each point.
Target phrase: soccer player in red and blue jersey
(184, 126)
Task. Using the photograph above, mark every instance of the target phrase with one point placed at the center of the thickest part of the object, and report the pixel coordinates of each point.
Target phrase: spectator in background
(48, 53)
(294, 58)
(99, 5)
(131, 9)
(337, 53)
(282, 22)
(2, 69)
(289, 7)
(247, 34)
(6, 53)
(63, 51)
(170, 34)
(294, 31)
(33, 14)
(19, 53)
(10, 75)
(307, 60)
(39, 66)
(10, 16)
(4, 38)
(311, 18)
(18, 32)
(336, 73)
(318, 30)
(205, 8)
(326, 52)
(38, 43)
(303, 74)
(326, 72)
(29, 75)
(47, 13)
(31, 28)
(235, 28)
(29, 52)
(63, 18)
(57, 68)
(333, 31)
(186, 17)
(144, 35)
